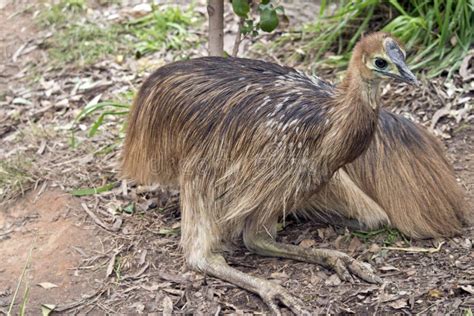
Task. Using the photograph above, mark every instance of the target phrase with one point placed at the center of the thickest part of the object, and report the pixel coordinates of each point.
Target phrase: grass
(15, 177)
(26, 294)
(388, 236)
(60, 13)
(165, 29)
(79, 40)
(100, 112)
(440, 32)
(85, 44)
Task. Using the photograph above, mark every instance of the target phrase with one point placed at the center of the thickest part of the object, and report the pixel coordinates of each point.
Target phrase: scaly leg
(201, 238)
(344, 265)
(270, 292)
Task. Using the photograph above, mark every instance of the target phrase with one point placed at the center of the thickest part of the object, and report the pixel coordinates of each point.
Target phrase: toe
(272, 305)
(292, 303)
(342, 272)
(365, 272)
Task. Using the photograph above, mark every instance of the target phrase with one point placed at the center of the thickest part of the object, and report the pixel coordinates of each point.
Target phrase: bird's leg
(270, 292)
(201, 238)
(344, 265)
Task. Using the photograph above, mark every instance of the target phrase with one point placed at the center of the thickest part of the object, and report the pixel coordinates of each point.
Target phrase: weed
(106, 109)
(388, 235)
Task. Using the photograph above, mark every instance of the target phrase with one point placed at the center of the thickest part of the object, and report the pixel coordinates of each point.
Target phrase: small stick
(95, 218)
(238, 38)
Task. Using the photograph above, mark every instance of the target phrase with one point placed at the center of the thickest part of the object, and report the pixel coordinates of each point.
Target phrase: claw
(278, 293)
(364, 271)
(342, 272)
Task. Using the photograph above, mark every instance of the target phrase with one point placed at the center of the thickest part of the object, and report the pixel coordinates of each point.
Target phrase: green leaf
(280, 10)
(129, 208)
(241, 7)
(92, 191)
(265, 1)
(268, 20)
(247, 27)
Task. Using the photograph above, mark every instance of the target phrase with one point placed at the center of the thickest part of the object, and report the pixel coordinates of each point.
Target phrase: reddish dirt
(49, 228)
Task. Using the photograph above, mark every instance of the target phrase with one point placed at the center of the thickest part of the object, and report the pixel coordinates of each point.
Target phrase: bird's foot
(346, 266)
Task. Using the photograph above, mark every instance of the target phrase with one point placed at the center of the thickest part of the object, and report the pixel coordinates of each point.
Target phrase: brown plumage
(247, 142)
(404, 176)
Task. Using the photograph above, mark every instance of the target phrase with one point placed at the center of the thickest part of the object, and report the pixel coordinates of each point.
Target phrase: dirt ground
(78, 255)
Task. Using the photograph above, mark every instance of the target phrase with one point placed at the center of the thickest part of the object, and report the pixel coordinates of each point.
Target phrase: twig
(96, 220)
(417, 249)
(93, 297)
(238, 38)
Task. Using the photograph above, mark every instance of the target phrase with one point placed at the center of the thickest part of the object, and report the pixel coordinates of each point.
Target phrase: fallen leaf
(47, 285)
(279, 276)
(354, 245)
(399, 304)
(21, 101)
(435, 293)
(46, 309)
(388, 268)
(307, 243)
(374, 248)
(333, 280)
(167, 306)
(111, 265)
(468, 288)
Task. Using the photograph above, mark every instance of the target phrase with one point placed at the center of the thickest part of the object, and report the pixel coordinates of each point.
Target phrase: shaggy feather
(403, 174)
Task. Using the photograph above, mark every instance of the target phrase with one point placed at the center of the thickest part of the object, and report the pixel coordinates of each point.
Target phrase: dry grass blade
(416, 249)
(20, 281)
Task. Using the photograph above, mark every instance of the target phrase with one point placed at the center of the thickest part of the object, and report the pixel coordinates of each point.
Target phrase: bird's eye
(381, 63)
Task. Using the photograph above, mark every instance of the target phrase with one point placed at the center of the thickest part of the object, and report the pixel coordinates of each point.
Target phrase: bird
(247, 142)
(404, 176)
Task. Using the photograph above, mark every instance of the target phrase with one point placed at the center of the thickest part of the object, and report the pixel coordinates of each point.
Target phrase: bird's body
(247, 142)
(403, 174)
(298, 132)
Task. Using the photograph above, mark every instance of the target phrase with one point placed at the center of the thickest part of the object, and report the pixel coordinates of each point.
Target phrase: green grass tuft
(388, 236)
(61, 12)
(84, 44)
(439, 33)
(165, 29)
(81, 41)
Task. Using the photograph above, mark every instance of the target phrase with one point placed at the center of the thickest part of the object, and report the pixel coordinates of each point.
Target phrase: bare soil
(88, 258)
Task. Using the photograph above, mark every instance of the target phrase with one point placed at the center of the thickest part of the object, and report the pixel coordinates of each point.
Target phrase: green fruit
(268, 20)
(241, 7)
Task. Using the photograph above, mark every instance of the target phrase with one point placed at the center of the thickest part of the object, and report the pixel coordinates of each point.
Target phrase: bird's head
(380, 55)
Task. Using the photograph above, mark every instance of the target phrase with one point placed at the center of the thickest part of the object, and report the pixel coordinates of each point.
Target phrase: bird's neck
(354, 117)
(357, 91)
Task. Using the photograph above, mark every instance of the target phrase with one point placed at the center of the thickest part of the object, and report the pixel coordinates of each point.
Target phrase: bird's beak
(395, 54)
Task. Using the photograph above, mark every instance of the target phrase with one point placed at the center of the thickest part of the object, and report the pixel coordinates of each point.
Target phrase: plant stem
(238, 38)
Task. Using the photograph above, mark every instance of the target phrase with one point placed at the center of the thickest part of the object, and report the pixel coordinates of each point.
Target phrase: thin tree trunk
(238, 38)
(215, 9)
